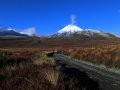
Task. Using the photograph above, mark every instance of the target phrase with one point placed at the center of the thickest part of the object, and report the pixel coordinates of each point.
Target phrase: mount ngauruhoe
(75, 31)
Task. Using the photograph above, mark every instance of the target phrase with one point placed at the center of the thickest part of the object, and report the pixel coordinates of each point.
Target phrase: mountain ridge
(73, 30)
(9, 32)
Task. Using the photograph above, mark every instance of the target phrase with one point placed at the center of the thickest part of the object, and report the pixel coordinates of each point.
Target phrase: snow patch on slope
(92, 32)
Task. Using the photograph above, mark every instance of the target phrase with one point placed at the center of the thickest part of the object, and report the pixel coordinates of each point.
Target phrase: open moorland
(25, 64)
(108, 55)
(36, 69)
(106, 51)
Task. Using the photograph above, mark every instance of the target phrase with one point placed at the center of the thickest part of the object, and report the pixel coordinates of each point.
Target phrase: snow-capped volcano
(73, 30)
(70, 29)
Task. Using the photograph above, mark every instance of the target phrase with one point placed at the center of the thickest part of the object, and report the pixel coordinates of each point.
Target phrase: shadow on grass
(82, 78)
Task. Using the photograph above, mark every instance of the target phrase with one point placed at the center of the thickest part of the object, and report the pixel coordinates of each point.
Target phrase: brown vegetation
(108, 55)
(25, 66)
(30, 70)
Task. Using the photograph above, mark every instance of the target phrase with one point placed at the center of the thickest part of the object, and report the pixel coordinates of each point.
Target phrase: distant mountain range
(69, 36)
(9, 32)
(12, 33)
(70, 31)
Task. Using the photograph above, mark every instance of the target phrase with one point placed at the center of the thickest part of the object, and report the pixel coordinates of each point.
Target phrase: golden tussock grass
(42, 59)
(108, 55)
(32, 70)
(52, 75)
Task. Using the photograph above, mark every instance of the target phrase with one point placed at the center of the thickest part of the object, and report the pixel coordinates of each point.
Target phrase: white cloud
(73, 17)
(29, 31)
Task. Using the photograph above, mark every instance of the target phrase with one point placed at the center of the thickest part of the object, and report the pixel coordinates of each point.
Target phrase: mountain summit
(69, 30)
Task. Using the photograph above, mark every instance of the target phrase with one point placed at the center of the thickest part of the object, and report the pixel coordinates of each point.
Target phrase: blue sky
(48, 16)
